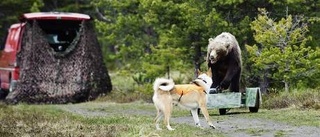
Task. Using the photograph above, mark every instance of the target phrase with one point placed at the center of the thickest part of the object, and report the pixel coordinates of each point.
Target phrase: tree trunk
(286, 87)
(264, 84)
(196, 60)
(196, 45)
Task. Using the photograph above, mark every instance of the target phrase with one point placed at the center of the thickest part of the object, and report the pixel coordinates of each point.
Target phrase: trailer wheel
(255, 109)
(222, 111)
(3, 94)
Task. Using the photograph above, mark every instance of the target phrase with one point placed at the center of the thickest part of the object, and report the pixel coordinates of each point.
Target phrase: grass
(132, 116)
(292, 116)
(126, 119)
(304, 98)
(125, 89)
(280, 133)
(128, 91)
(53, 120)
(254, 131)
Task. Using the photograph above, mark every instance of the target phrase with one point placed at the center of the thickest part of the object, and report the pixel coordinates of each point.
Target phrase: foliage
(282, 52)
(183, 29)
(154, 38)
(133, 33)
(127, 89)
(36, 6)
(299, 98)
(9, 13)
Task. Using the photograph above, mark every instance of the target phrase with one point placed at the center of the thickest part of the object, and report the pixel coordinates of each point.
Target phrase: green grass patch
(280, 133)
(126, 89)
(254, 131)
(55, 121)
(292, 116)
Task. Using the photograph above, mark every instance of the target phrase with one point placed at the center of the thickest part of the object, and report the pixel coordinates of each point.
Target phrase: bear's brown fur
(224, 59)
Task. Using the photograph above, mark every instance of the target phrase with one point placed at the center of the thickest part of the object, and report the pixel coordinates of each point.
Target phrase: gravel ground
(233, 125)
(237, 126)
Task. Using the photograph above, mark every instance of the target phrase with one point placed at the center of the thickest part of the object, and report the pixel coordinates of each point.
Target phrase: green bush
(302, 98)
(132, 87)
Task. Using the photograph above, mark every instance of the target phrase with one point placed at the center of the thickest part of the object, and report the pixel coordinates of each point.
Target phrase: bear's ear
(210, 40)
(228, 45)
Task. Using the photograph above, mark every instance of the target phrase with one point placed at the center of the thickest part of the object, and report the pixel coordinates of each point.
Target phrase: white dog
(191, 96)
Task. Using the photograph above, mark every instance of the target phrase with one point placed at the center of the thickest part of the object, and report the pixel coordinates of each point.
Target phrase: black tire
(256, 108)
(3, 94)
(222, 111)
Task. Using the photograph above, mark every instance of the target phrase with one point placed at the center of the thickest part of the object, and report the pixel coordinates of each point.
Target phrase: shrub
(303, 98)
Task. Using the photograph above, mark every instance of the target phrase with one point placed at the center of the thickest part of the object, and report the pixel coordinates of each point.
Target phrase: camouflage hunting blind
(60, 60)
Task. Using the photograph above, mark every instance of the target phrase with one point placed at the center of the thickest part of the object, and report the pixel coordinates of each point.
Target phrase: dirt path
(233, 125)
(237, 126)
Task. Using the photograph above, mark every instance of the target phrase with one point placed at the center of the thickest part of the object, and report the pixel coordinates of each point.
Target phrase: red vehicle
(60, 29)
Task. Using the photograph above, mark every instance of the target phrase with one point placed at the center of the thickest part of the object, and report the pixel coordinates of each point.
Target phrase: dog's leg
(158, 118)
(204, 111)
(195, 116)
(167, 114)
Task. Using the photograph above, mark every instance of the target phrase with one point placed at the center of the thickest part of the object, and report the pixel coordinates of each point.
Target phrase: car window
(60, 33)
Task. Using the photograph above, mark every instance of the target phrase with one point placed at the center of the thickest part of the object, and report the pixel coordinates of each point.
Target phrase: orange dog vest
(186, 88)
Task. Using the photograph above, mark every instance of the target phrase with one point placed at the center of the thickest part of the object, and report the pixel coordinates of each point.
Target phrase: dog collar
(202, 80)
(180, 96)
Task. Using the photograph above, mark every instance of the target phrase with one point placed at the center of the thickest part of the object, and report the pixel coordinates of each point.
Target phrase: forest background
(145, 39)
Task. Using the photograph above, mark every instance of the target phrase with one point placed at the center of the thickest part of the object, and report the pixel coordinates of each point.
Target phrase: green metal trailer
(226, 100)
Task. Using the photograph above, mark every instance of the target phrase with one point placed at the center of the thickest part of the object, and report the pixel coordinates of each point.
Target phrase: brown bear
(224, 59)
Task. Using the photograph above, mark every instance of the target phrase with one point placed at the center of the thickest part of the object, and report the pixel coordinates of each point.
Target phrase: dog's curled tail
(163, 84)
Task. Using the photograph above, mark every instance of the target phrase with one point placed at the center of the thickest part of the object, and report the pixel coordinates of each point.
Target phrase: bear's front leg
(232, 79)
(231, 73)
(216, 78)
(235, 83)
(224, 84)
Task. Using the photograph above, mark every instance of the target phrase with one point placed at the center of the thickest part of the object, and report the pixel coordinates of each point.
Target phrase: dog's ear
(209, 72)
(198, 72)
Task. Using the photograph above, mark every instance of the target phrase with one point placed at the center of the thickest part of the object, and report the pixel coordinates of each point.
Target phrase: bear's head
(217, 49)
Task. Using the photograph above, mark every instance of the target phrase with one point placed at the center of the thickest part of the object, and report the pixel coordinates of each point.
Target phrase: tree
(132, 29)
(282, 53)
(36, 6)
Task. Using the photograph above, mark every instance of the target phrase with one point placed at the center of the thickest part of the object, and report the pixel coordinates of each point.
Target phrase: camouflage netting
(76, 75)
